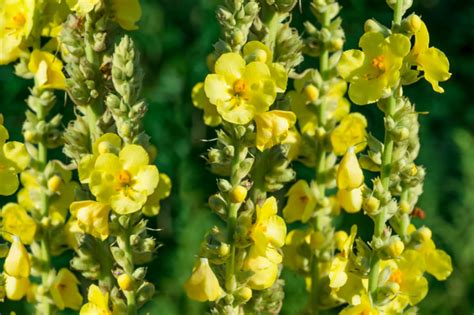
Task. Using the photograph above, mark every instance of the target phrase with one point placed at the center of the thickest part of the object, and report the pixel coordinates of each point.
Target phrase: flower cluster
(66, 46)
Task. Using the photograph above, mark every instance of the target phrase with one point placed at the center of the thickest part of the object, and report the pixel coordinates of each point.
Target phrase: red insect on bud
(418, 213)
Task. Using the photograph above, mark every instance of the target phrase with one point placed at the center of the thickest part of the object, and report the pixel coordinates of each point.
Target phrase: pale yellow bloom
(92, 217)
(273, 127)
(17, 264)
(47, 69)
(65, 291)
(98, 302)
(16, 221)
(16, 288)
(203, 284)
(264, 268)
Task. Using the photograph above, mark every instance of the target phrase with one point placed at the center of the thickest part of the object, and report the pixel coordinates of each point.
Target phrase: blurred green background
(174, 39)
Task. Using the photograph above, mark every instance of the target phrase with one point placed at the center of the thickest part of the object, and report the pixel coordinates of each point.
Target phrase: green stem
(92, 116)
(271, 19)
(129, 268)
(385, 177)
(319, 172)
(232, 221)
(398, 12)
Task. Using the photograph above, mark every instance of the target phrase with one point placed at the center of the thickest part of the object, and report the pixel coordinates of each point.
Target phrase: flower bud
(217, 203)
(394, 249)
(424, 234)
(29, 136)
(371, 205)
(349, 174)
(17, 263)
(224, 250)
(244, 294)
(337, 43)
(340, 238)
(16, 288)
(238, 194)
(54, 183)
(311, 92)
(405, 207)
(350, 200)
(125, 282)
(224, 185)
(317, 240)
(413, 22)
(203, 284)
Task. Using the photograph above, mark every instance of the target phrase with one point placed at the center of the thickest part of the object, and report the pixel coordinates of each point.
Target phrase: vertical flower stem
(319, 173)
(129, 268)
(232, 219)
(42, 159)
(385, 177)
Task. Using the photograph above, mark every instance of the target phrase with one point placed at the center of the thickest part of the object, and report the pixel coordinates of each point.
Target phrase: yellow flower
(152, 205)
(16, 287)
(211, 116)
(53, 14)
(16, 21)
(432, 61)
(307, 119)
(13, 159)
(293, 143)
(363, 306)
(350, 199)
(264, 268)
(301, 202)
(107, 143)
(17, 264)
(240, 90)
(203, 284)
(273, 127)
(92, 217)
(124, 181)
(47, 69)
(65, 291)
(269, 229)
(98, 302)
(127, 13)
(374, 71)
(16, 221)
(349, 174)
(438, 262)
(82, 6)
(338, 273)
(351, 132)
(258, 51)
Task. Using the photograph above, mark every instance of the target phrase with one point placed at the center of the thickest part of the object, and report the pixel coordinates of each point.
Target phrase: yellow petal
(439, 264)
(127, 13)
(349, 174)
(65, 291)
(16, 288)
(17, 263)
(231, 66)
(133, 157)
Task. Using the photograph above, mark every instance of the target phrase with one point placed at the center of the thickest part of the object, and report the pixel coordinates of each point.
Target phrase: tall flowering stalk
(386, 275)
(237, 268)
(103, 216)
(328, 131)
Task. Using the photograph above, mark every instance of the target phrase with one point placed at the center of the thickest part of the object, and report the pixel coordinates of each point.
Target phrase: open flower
(273, 127)
(47, 69)
(264, 268)
(338, 272)
(240, 90)
(16, 22)
(65, 291)
(269, 229)
(200, 100)
(125, 12)
(301, 202)
(374, 71)
(152, 206)
(98, 302)
(16, 221)
(432, 61)
(124, 181)
(203, 284)
(13, 159)
(351, 132)
(92, 217)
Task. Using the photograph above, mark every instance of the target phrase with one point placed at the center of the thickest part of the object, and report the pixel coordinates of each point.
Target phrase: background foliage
(175, 38)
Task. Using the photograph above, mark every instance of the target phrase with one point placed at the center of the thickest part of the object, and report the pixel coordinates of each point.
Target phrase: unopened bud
(413, 23)
(404, 207)
(125, 282)
(317, 240)
(54, 183)
(340, 238)
(244, 294)
(29, 136)
(424, 233)
(371, 205)
(394, 249)
(337, 43)
(238, 194)
(311, 92)
(224, 250)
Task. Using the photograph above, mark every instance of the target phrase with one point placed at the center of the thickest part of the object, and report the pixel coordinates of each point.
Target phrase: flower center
(378, 63)
(304, 199)
(396, 276)
(124, 177)
(239, 87)
(18, 20)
